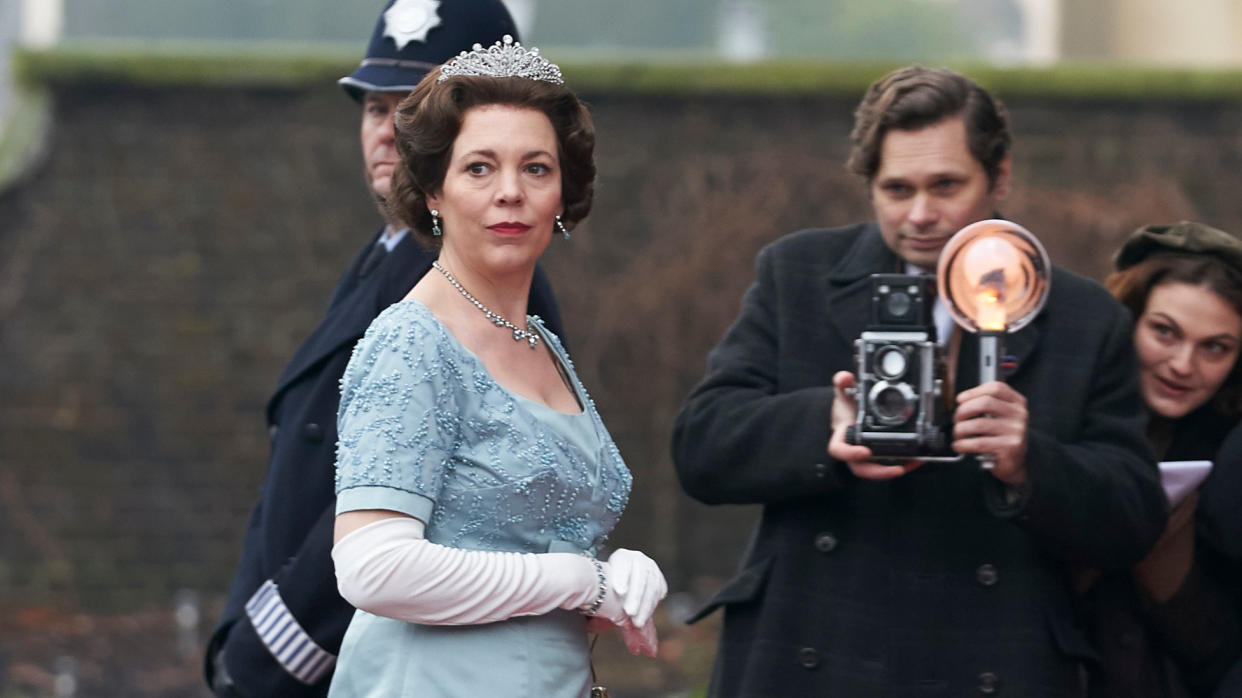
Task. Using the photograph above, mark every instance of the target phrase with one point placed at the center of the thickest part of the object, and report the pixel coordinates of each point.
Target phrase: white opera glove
(635, 587)
(387, 568)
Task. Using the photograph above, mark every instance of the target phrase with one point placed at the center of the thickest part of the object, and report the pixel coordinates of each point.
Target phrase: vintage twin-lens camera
(902, 413)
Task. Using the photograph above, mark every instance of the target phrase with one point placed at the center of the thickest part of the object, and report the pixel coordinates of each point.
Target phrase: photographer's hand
(992, 419)
(857, 458)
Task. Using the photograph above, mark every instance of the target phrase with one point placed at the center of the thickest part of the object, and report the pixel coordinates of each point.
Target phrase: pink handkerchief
(1181, 477)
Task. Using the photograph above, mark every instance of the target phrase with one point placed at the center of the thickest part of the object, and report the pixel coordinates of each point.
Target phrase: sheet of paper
(1181, 477)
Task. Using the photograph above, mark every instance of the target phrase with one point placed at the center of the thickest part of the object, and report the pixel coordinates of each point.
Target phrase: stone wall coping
(300, 66)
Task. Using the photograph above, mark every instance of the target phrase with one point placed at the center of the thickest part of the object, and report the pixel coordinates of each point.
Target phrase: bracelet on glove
(603, 589)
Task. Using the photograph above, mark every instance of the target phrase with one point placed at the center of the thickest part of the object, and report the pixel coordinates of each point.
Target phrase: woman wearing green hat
(1171, 626)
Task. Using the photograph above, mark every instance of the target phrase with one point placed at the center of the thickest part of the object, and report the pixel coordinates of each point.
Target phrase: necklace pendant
(497, 319)
(598, 691)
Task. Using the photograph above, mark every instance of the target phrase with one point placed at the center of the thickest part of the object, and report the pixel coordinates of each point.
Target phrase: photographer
(929, 579)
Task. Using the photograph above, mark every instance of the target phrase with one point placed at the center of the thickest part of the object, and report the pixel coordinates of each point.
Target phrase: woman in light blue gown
(475, 479)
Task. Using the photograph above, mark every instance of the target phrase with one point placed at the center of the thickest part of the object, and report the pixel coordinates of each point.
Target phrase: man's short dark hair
(914, 97)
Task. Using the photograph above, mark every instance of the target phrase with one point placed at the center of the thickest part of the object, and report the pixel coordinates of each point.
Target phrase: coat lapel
(848, 284)
(1017, 347)
(1015, 350)
(355, 303)
(349, 280)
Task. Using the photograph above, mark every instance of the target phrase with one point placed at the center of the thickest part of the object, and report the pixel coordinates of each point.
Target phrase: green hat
(1182, 237)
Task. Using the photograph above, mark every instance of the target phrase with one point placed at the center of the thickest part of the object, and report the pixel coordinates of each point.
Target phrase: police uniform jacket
(941, 582)
(284, 620)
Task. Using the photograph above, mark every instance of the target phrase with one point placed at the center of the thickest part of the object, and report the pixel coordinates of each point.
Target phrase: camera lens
(890, 362)
(897, 304)
(891, 403)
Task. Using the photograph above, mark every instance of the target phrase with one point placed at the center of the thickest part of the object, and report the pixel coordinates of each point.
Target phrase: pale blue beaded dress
(425, 430)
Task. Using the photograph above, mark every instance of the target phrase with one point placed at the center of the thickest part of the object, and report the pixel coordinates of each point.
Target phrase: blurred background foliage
(827, 29)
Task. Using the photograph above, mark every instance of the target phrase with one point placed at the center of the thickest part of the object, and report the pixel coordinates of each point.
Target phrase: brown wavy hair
(427, 123)
(1133, 286)
(913, 97)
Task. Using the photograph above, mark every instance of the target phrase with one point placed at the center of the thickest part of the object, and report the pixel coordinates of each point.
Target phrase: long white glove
(389, 569)
(635, 583)
(635, 587)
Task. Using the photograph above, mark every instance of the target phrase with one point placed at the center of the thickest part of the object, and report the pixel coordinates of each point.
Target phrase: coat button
(312, 431)
(821, 470)
(825, 542)
(989, 683)
(987, 574)
(808, 657)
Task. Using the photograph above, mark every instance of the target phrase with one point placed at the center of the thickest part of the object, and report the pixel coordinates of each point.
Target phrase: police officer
(284, 620)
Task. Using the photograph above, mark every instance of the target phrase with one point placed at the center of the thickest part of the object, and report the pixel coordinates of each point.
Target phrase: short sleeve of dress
(398, 423)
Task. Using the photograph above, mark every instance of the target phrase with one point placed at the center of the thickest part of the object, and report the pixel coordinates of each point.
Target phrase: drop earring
(560, 226)
(435, 223)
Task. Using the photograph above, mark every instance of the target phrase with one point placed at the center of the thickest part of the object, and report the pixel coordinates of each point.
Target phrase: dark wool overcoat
(284, 620)
(1219, 535)
(938, 583)
(1190, 643)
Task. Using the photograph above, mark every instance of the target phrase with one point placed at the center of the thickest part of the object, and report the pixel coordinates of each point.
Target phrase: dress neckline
(554, 347)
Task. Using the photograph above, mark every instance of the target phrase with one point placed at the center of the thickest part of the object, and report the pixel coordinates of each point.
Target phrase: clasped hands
(989, 419)
(635, 586)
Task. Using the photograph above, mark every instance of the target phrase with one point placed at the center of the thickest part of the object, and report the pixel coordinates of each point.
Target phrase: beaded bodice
(425, 429)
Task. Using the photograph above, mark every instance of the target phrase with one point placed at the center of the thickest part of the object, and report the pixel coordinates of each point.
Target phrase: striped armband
(285, 638)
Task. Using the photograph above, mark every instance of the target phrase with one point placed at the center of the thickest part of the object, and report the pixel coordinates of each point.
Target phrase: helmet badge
(410, 20)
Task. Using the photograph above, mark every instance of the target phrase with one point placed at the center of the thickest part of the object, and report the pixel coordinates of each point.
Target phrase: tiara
(504, 59)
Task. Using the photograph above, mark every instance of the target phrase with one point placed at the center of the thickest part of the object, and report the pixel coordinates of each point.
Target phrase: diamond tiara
(504, 59)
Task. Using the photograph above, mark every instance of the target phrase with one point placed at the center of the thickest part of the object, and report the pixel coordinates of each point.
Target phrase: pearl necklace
(519, 334)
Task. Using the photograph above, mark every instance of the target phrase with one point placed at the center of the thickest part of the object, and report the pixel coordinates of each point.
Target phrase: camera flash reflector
(994, 276)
